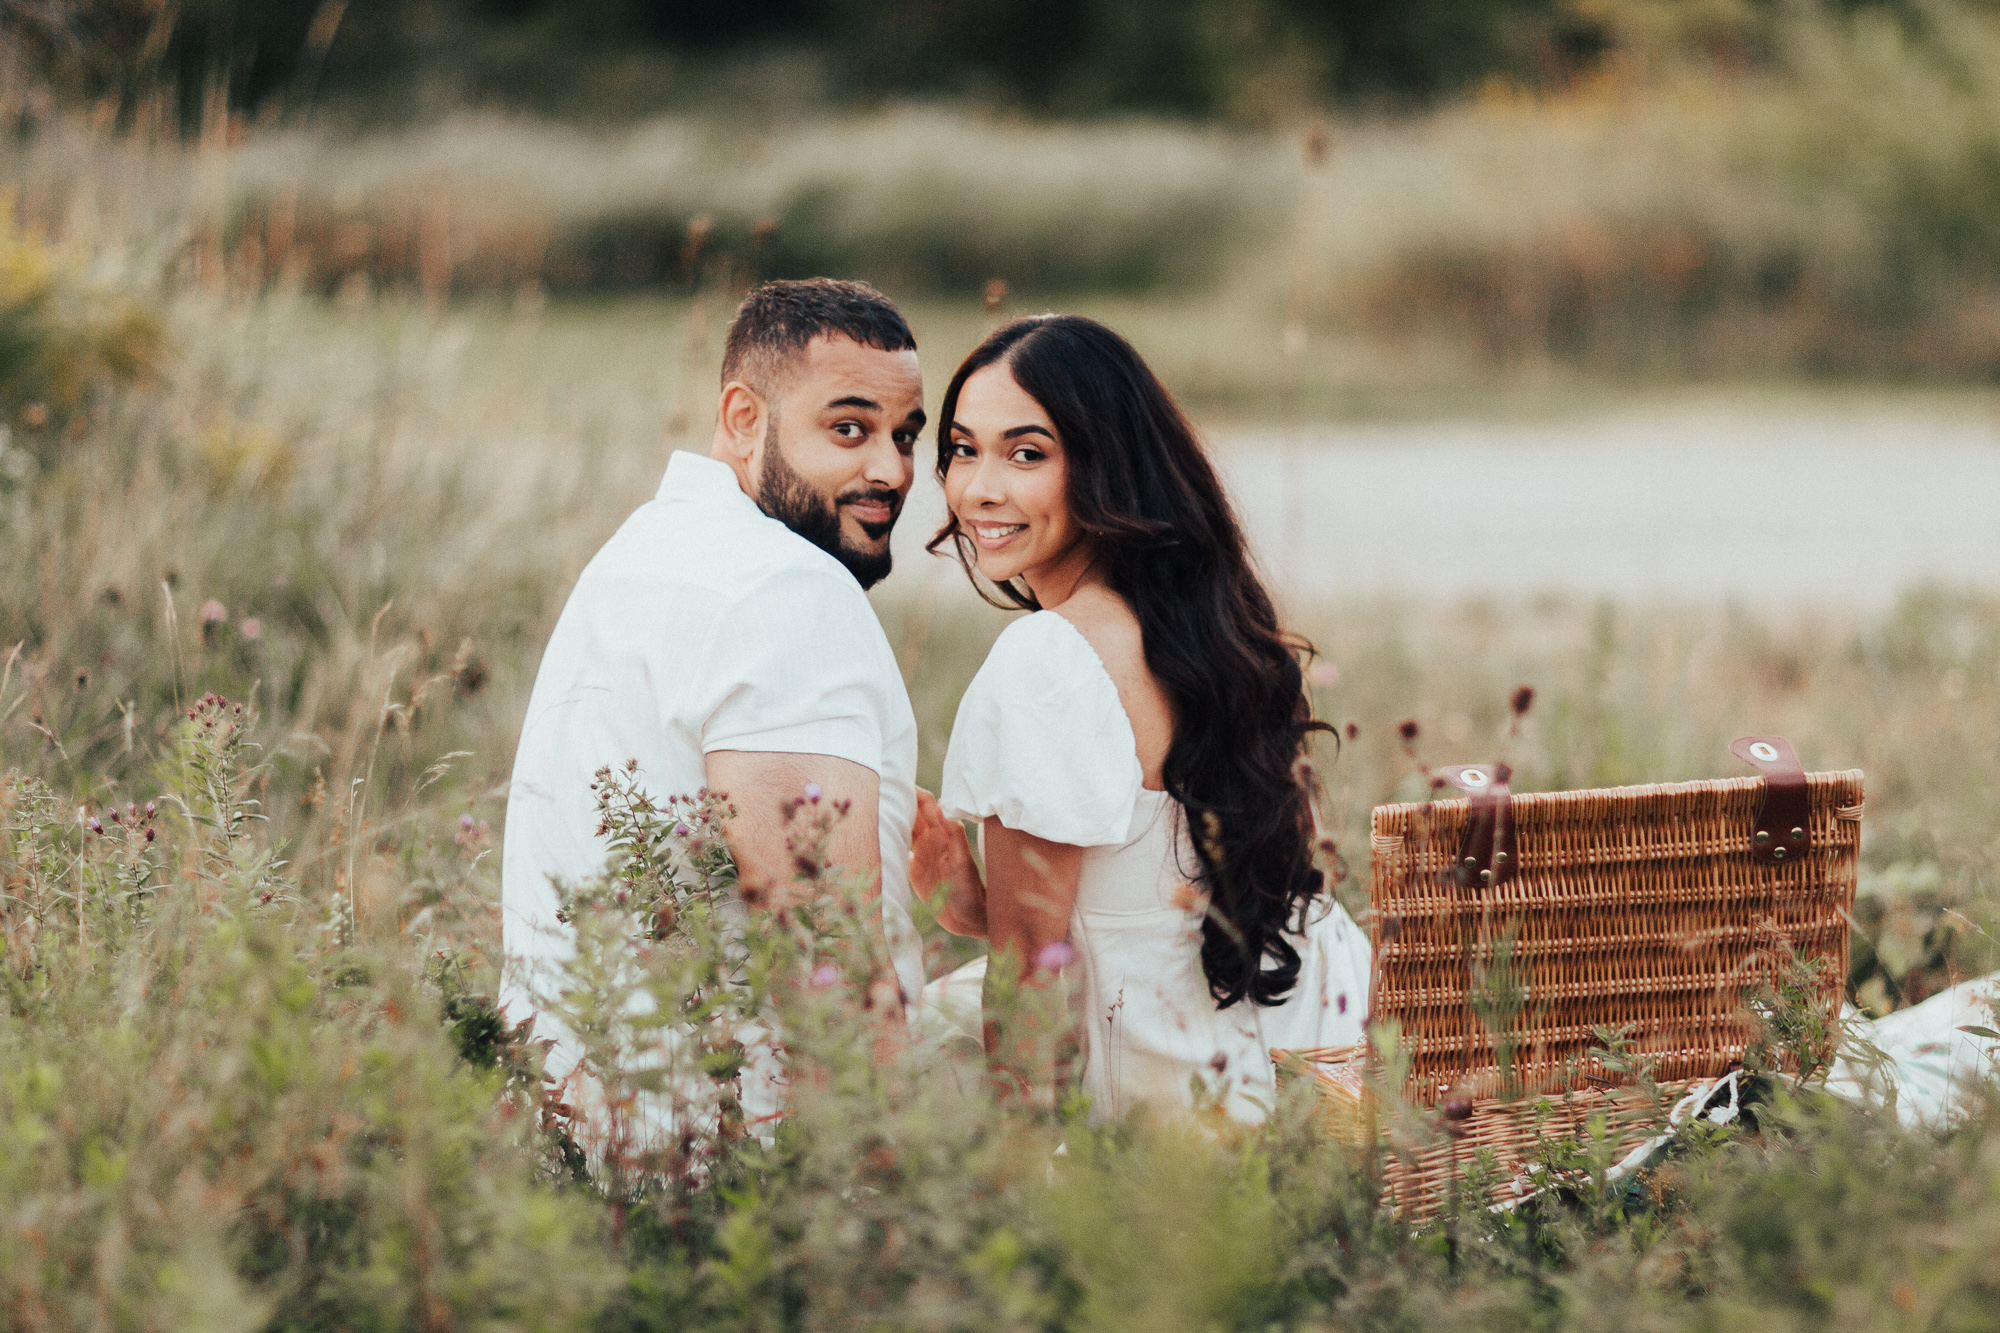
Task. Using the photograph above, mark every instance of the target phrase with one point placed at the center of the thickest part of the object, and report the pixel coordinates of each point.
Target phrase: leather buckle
(1486, 855)
(1784, 824)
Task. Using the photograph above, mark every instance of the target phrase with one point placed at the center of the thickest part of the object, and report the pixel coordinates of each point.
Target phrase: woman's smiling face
(1007, 481)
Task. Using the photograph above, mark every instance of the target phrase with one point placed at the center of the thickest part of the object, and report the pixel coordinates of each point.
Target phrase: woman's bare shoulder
(1108, 626)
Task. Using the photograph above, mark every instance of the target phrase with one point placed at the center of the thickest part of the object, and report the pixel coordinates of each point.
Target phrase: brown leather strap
(1784, 823)
(1486, 855)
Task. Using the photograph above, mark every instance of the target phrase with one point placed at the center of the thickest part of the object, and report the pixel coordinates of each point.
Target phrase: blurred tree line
(1232, 59)
(1198, 58)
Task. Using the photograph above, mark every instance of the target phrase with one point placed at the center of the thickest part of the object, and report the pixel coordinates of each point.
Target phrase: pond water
(1828, 504)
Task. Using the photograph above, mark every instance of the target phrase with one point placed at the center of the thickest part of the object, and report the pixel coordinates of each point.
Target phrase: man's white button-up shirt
(703, 624)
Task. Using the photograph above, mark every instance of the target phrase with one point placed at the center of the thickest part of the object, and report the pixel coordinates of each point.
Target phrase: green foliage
(215, 1115)
(62, 337)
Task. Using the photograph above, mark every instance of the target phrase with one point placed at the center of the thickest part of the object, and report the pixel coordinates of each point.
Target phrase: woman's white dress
(1042, 741)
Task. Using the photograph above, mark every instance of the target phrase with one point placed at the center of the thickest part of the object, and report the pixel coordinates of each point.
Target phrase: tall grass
(252, 1074)
(1829, 212)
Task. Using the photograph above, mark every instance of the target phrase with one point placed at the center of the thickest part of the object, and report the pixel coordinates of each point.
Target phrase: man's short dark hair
(777, 320)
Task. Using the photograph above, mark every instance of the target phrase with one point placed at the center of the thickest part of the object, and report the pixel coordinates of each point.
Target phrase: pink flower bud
(1055, 956)
(252, 629)
(824, 975)
(813, 792)
(213, 611)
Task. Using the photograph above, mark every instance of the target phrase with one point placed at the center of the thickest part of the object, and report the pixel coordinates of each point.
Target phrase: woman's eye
(1029, 455)
(959, 449)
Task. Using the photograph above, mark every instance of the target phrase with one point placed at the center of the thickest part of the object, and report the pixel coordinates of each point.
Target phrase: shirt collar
(702, 480)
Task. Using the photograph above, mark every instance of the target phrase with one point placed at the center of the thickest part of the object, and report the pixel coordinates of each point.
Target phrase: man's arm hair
(762, 785)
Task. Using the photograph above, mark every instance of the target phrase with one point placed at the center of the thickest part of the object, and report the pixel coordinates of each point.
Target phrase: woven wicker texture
(1632, 907)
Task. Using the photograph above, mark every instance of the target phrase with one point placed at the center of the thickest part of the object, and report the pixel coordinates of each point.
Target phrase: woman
(1131, 749)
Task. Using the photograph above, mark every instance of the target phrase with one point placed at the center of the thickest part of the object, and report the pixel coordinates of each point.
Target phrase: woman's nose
(984, 487)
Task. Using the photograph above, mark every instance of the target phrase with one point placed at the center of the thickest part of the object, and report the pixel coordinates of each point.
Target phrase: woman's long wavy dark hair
(1169, 544)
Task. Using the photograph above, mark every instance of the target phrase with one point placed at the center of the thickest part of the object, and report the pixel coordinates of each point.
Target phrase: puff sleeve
(1042, 741)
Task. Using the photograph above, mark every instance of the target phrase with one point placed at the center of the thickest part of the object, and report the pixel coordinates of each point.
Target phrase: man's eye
(850, 430)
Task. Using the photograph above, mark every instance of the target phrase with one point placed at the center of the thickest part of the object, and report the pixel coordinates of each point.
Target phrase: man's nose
(886, 466)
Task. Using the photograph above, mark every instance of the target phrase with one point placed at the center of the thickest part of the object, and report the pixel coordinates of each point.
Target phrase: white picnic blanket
(1926, 1059)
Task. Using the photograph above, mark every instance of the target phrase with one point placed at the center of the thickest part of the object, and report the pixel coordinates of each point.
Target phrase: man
(722, 638)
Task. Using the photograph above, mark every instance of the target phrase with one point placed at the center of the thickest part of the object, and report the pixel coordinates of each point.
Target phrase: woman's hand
(939, 855)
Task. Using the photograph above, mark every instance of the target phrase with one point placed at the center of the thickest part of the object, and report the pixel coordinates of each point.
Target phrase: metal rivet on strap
(1763, 838)
(1798, 834)
(1777, 853)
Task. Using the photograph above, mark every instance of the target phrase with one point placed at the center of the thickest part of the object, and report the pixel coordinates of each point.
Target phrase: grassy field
(246, 1075)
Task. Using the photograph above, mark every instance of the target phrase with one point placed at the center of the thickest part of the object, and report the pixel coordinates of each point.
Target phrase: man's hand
(939, 855)
(763, 785)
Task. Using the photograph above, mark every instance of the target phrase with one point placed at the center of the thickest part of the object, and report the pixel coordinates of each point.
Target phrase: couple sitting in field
(1130, 750)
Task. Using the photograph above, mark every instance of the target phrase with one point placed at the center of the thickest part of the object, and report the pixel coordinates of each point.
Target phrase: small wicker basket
(1649, 910)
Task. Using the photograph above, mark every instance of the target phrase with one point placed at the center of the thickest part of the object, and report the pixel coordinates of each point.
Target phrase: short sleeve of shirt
(1042, 742)
(792, 669)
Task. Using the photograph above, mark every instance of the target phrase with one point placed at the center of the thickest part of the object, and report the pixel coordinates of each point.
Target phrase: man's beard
(785, 496)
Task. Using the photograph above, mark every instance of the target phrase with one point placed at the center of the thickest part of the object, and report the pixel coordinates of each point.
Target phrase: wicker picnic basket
(1653, 910)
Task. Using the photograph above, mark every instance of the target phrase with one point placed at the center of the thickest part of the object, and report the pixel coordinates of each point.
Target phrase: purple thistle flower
(465, 822)
(95, 827)
(1055, 956)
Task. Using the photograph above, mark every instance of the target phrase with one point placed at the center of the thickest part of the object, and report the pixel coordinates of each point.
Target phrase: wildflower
(1341, 1001)
(252, 629)
(1407, 729)
(1219, 1062)
(824, 975)
(813, 792)
(682, 831)
(212, 611)
(1523, 700)
(465, 822)
(1055, 956)
(95, 826)
(151, 833)
(115, 817)
(1354, 731)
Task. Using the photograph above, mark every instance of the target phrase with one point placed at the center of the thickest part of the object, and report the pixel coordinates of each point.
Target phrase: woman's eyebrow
(1018, 431)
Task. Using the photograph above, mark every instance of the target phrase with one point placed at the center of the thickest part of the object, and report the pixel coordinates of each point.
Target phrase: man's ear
(741, 414)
